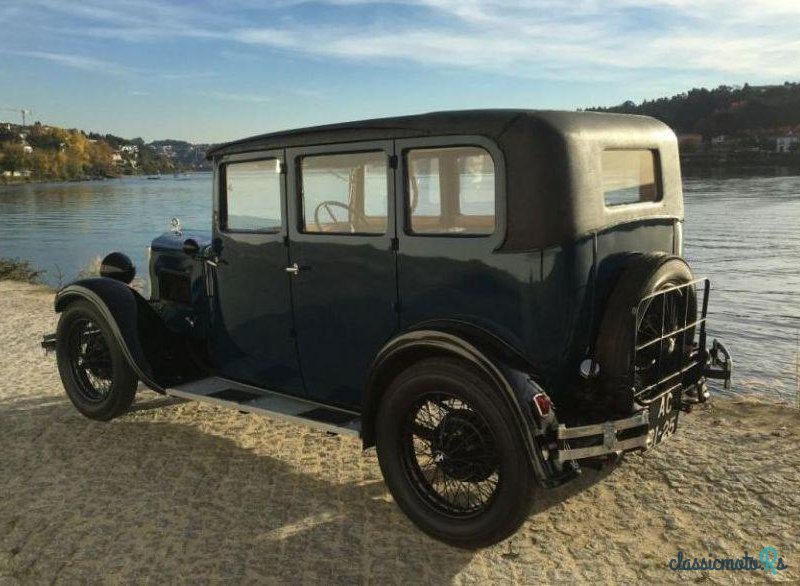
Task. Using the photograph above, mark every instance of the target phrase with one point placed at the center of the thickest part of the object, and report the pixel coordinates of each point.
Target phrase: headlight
(119, 267)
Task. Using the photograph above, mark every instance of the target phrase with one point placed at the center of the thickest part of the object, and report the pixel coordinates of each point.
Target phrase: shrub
(13, 269)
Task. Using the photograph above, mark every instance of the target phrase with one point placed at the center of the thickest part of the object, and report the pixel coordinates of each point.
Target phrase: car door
(252, 339)
(449, 198)
(344, 286)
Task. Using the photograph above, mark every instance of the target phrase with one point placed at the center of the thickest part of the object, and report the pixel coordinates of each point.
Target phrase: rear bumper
(647, 427)
(719, 364)
(611, 444)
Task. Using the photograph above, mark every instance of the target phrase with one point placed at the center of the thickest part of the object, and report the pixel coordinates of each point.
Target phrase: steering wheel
(327, 205)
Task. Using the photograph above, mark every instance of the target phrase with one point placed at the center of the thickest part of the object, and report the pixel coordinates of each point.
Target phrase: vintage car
(490, 298)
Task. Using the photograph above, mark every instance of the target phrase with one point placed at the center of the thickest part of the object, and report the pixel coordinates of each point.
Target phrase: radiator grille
(174, 286)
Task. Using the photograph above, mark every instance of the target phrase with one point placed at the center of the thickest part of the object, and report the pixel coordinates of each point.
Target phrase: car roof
(489, 123)
(550, 163)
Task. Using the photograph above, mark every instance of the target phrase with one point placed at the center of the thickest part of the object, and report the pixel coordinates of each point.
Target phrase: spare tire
(614, 351)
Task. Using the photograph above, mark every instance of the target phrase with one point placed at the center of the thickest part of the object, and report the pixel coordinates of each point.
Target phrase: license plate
(664, 417)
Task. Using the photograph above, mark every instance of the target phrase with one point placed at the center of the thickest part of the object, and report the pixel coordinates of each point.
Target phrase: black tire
(481, 427)
(645, 275)
(95, 373)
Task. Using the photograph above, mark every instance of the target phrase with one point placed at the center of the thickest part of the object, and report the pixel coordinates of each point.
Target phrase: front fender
(130, 318)
(507, 370)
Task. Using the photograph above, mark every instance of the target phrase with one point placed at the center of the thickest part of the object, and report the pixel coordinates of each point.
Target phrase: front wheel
(451, 454)
(95, 373)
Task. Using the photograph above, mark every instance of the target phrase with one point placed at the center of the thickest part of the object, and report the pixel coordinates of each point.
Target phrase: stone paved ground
(192, 493)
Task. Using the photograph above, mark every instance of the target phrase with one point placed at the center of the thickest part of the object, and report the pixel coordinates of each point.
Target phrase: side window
(630, 176)
(450, 191)
(253, 196)
(345, 193)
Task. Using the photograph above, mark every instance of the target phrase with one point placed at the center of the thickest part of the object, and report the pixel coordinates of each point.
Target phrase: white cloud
(586, 39)
(78, 62)
(612, 40)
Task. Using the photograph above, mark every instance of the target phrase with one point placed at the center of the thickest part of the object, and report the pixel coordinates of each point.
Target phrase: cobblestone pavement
(191, 493)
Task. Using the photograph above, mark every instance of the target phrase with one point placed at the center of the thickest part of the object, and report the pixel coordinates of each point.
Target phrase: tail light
(542, 404)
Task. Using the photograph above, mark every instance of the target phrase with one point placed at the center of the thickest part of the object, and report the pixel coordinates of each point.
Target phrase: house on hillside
(23, 139)
(690, 141)
(786, 144)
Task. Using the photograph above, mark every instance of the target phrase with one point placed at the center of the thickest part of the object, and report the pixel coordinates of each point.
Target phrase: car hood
(174, 241)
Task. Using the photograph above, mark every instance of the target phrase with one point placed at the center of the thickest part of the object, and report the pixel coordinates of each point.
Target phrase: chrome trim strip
(640, 418)
(642, 441)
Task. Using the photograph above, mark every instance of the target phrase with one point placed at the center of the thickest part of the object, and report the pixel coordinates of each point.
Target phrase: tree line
(725, 110)
(42, 152)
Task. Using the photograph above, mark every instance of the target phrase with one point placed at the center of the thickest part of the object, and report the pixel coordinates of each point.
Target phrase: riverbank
(186, 492)
(11, 182)
(732, 163)
(14, 269)
(26, 180)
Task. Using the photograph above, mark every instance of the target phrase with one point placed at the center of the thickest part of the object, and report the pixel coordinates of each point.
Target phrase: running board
(241, 397)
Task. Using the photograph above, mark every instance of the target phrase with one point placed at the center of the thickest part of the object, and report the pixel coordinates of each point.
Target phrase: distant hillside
(41, 152)
(726, 110)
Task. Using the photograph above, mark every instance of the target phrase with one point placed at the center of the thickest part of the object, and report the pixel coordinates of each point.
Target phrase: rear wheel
(451, 455)
(95, 373)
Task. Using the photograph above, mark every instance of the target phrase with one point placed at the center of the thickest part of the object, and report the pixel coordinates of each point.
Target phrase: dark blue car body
(332, 318)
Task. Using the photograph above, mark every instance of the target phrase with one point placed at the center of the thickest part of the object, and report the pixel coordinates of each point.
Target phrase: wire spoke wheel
(97, 376)
(663, 317)
(90, 360)
(450, 455)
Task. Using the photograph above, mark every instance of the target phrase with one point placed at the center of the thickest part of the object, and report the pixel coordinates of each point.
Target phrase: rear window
(450, 191)
(630, 176)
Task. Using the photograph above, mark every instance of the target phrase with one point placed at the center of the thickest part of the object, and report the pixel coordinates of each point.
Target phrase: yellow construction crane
(21, 111)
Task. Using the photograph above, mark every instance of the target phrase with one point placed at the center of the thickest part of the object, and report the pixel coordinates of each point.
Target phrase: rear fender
(498, 362)
(138, 329)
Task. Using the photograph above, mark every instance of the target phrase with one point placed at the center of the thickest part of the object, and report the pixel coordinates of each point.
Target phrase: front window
(630, 176)
(345, 193)
(253, 196)
(451, 191)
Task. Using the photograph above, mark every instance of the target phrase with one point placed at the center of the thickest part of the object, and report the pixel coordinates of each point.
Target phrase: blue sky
(213, 71)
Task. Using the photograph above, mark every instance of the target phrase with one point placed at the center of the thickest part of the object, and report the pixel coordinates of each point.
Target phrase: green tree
(13, 157)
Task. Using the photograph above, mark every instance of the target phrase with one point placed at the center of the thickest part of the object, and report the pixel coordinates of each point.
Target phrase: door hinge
(395, 244)
(282, 167)
(393, 161)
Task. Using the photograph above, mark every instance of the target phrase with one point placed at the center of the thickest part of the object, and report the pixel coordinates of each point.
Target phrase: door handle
(294, 269)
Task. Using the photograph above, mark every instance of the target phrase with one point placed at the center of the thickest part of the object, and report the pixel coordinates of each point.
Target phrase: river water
(742, 232)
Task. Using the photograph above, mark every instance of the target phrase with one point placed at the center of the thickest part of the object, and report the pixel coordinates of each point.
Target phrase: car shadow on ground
(167, 495)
